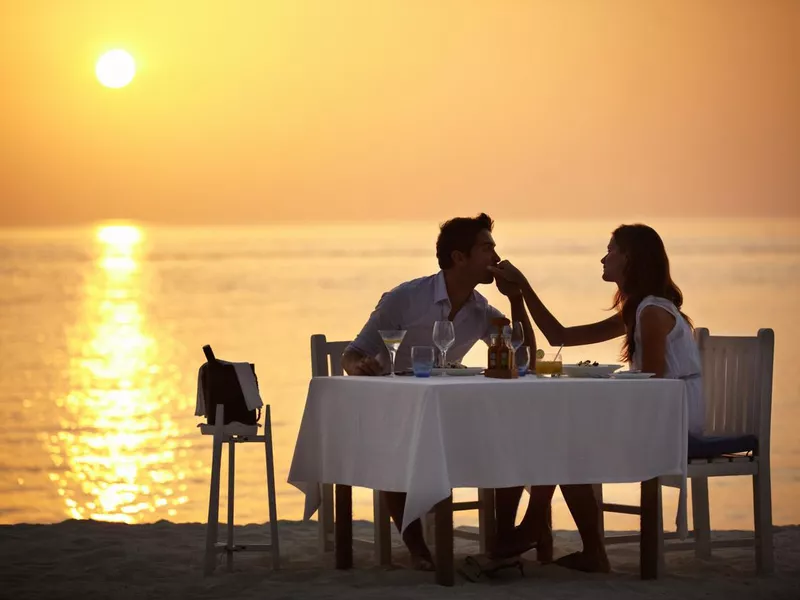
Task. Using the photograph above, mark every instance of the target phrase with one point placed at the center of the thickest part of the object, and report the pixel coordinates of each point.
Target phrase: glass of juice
(548, 364)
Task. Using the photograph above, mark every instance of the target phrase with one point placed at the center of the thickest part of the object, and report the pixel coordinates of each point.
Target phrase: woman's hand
(508, 289)
(505, 270)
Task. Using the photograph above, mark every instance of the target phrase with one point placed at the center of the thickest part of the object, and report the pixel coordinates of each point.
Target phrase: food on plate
(454, 365)
(588, 363)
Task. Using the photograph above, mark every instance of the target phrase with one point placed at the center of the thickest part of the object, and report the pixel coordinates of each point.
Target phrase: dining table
(426, 436)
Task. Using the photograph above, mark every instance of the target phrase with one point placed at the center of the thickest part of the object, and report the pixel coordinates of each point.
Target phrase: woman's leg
(537, 524)
(534, 529)
(585, 511)
(412, 536)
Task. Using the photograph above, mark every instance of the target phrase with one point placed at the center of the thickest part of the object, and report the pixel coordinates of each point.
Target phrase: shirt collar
(440, 292)
(440, 289)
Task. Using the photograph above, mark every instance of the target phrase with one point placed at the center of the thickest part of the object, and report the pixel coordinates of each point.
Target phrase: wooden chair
(737, 385)
(326, 360)
(232, 434)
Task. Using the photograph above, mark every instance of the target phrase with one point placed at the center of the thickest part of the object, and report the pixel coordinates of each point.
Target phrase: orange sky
(371, 109)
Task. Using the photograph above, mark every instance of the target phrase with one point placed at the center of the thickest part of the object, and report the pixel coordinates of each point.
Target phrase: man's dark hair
(459, 234)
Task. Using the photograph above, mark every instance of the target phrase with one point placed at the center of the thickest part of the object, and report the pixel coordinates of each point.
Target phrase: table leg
(445, 570)
(487, 522)
(652, 535)
(383, 529)
(343, 526)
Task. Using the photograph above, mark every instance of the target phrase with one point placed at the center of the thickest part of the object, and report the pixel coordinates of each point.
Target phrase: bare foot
(420, 563)
(543, 541)
(421, 557)
(581, 561)
(511, 546)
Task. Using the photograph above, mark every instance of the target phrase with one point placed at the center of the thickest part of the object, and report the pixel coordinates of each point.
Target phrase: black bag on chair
(220, 385)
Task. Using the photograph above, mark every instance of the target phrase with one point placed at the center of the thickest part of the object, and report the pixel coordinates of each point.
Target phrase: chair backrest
(737, 383)
(321, 352)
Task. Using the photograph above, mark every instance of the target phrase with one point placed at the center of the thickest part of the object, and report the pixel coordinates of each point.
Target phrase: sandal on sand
(480, 568)
(579, 561)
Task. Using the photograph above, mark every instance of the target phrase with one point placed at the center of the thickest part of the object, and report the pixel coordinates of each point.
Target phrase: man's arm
(359, 357)
(356, 363)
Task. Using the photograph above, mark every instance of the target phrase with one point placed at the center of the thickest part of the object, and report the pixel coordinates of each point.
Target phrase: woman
(657, 339)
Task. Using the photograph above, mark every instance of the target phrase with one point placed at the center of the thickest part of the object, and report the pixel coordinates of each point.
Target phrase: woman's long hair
(646, 274)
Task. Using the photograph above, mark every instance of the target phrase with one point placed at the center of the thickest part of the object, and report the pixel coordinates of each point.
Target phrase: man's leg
(506, 503)
(585, 511)
(412, 537)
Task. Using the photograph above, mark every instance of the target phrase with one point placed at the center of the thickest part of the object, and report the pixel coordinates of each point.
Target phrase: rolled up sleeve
(388, 314)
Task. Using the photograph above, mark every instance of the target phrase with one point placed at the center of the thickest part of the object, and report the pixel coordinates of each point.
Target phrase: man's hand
(356, 364)
(507, 272)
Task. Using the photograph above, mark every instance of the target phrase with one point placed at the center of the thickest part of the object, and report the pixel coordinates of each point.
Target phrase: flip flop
(480, 568)
(471, 570)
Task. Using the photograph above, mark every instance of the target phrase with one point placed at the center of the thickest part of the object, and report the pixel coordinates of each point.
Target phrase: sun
(115, 69)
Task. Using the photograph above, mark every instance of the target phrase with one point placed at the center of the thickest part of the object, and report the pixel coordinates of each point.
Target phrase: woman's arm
(553, 330)
(655, 323)
(580, 335)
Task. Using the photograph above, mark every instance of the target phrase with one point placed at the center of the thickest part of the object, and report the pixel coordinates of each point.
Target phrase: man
(465, 251)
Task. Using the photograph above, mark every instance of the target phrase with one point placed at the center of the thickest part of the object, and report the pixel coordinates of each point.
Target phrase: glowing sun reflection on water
(115, 452)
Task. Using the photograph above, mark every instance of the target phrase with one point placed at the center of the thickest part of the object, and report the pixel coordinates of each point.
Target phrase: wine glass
(392, 338)
(522, 358)
(517, 335)
(444, 336)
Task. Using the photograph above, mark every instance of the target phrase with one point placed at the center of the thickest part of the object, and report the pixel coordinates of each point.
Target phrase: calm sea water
(102, 330)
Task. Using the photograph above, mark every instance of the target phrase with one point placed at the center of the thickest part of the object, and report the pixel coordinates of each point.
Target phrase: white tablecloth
(426, 436)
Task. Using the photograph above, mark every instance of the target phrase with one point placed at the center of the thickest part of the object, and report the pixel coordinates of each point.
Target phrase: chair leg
(701, 517)
(326, 518)
(445, 570)
(429, 530)
(383, 530)
(487, 524)
(231, 496)
(343, 529)
(213, 496)
(651, 542)
(662, 559)
(598, 493)
(274, 539)
(762, 509)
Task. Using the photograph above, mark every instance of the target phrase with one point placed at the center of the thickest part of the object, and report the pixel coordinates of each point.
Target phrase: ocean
(102, 330)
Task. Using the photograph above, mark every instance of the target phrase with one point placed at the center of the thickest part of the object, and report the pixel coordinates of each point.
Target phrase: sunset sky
(398, 109)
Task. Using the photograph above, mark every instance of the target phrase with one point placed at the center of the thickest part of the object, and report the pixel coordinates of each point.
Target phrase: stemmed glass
(444, 336)
(517, 335)
(392, 338)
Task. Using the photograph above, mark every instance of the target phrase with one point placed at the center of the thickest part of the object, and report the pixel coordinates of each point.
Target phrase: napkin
(247, 381)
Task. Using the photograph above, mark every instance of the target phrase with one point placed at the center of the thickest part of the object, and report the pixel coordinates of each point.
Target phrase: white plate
(459, 372)
(589, 371)
(632, 375)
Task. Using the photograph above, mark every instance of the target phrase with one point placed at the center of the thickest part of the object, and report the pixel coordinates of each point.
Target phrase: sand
(87, 559)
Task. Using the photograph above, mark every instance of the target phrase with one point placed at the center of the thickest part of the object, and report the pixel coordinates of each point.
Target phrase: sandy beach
(91, 559)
